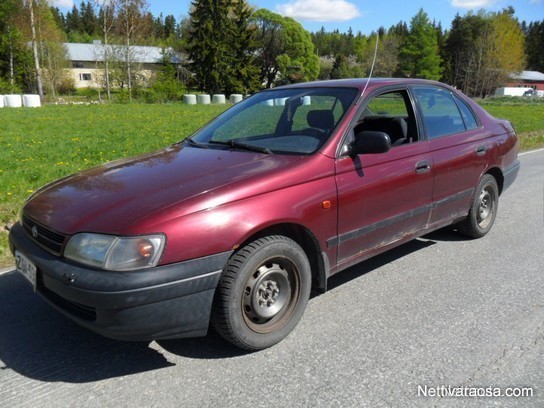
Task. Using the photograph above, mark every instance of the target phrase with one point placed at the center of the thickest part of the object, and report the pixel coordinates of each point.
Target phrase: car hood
(116, 197)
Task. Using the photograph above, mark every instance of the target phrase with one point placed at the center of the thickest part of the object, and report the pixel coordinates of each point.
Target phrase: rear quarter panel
(457, 169)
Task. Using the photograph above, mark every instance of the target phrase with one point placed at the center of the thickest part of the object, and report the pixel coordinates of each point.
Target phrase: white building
(87, 61)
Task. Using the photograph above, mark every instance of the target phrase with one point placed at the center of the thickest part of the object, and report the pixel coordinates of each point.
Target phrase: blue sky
(361, 15)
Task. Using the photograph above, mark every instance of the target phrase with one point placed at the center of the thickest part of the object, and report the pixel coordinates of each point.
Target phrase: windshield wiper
(194, 143)
(238, 145)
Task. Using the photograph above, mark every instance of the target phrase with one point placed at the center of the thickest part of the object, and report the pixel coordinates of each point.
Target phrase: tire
(483, 210)
(262, 293)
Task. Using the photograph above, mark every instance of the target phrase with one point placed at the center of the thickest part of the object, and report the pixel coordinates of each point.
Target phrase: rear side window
(467, 114)
(440, 112)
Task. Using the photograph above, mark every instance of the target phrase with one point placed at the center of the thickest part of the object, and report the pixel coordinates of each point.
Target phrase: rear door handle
(481, 150)
(423, 167)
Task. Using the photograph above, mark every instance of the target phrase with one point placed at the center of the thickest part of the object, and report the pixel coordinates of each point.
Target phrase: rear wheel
(262, 293)
(483, 210)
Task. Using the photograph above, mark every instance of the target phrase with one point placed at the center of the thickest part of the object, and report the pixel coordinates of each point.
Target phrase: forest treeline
(227, 46)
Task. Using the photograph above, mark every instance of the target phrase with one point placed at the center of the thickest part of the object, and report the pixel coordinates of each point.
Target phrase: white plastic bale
(189, 99)
(13, 101)
(31, 101)
(280, 101)
(235, 98)
(203, 99)
(219, 99)
(306, 100)
(1, 101)
(269, 102)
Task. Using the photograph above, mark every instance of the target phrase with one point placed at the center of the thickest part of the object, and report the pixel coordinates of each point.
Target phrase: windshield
(285, 121)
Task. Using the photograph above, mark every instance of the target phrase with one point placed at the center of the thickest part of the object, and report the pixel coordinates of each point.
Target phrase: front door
(382, 198)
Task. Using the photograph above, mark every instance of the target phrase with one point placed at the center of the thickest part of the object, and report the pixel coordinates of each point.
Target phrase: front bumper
(164, 302)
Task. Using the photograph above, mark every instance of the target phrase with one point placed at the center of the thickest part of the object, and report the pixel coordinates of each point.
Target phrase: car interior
(392, 114)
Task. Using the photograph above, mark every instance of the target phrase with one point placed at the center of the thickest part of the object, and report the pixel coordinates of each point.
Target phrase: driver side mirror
(370, 142)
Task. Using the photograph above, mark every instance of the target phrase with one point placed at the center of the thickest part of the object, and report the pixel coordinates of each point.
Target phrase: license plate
(26, 268)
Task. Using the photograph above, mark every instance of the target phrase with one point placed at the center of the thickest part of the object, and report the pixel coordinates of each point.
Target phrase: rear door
(459, 151)
(383, 197)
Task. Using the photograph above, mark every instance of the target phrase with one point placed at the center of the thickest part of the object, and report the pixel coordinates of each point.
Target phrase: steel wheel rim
(270, 295)
(486, 207)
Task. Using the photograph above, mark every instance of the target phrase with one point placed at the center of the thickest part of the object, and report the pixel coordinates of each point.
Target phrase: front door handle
(423, 166)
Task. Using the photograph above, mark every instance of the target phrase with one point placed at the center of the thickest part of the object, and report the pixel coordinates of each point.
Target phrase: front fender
(226, 227)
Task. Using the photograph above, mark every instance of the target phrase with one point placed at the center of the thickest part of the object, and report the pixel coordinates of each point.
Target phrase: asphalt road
(439, 311)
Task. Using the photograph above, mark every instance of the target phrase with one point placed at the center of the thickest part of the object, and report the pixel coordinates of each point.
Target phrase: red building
(528, 79)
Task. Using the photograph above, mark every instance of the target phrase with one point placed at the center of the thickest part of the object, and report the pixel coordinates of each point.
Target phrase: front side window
(284, 121)
(441, 115)
(391, 113)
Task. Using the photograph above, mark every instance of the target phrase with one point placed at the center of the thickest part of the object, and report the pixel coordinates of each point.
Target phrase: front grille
(50, 240)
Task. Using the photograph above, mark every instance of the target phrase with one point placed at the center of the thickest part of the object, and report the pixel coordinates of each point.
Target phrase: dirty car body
(238, 223)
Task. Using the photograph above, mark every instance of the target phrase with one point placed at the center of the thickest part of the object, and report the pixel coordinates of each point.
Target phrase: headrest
(321, 119)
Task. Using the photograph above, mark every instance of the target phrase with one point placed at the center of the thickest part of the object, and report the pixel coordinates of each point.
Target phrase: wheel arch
(307, 241)
(499, 177)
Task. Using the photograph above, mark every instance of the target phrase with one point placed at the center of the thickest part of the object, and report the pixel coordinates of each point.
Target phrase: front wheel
(483, 210)
(262, 293)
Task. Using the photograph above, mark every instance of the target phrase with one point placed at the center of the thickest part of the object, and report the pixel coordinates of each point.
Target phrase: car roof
(360, 83)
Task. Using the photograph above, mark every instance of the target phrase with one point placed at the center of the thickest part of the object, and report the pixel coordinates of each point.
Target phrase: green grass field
(41, 145)
(527, 118)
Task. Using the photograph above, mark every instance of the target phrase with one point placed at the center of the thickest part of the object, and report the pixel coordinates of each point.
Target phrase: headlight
(115, 253)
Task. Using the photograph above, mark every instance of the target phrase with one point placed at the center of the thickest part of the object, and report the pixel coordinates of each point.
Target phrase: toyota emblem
(35, 232)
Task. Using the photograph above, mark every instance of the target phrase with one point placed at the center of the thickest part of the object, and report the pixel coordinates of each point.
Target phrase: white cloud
(65, 4)
(473, 4)
(320, 10)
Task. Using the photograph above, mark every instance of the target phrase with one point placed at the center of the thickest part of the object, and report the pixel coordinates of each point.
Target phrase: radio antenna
(373, 63)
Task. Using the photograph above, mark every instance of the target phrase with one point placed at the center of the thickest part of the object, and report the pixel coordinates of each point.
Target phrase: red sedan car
(238, 223)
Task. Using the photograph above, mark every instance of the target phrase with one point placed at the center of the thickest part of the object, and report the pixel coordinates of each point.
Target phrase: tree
(299, 62)
(340, 67)
(270, 44)
(169, 26)
(73, 21)
(31, 9)
(53, 55)
(460, 49)
(220, 45)
(15, 56)
(246, 73)
(483, 50)
(209, 44)
(285, 49)
(106, 16)
(387, 60)
(60, 20)
(419, 56)
(464, 49)
(133, 25)
(534, 45)
(89, 20)
(504, 52)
